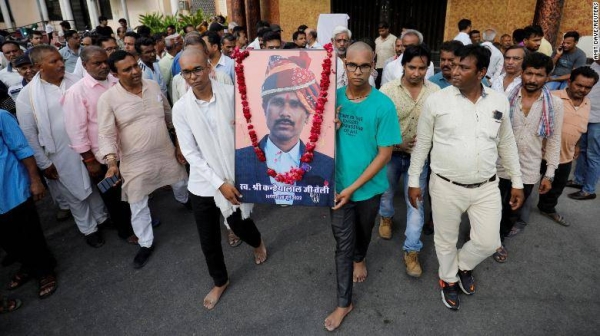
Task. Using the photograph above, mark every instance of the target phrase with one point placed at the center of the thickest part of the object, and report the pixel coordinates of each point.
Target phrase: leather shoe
(582, 195)
(572, 184)
(94, 239)
(141, 258)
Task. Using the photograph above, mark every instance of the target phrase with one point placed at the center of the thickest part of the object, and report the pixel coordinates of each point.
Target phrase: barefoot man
(369, 128)
(204, 120)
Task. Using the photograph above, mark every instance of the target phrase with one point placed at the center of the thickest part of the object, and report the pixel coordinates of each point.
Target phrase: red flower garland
(294, 174)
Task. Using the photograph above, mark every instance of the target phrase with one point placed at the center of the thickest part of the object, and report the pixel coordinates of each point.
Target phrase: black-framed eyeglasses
(364, 68)
(196, 71)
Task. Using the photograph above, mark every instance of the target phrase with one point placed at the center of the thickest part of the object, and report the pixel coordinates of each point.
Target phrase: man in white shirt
(204, 120)
(507, 80)
(497, 59)
(384, 49)
(261, 28)
(466, 128)
(311, 38)
(394, 69)
(464, 27)
(341, 40)
(25, 69)
(9, 76)
(49, 31)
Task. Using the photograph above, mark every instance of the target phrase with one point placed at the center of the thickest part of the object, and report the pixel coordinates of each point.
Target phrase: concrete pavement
(548, 286)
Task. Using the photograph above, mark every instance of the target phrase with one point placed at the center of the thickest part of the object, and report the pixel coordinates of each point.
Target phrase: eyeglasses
(351, 67)
(111, 49)
(341, 41)
(197, 71)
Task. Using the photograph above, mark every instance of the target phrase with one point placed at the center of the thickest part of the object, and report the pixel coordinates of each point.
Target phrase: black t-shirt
(104, 31)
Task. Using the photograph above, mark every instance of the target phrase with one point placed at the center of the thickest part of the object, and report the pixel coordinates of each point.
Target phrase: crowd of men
(103, 123)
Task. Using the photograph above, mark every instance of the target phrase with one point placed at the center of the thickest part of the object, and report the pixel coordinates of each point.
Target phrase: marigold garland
(294, 174)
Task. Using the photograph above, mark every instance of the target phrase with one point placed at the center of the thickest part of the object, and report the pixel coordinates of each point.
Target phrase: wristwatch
(551, 179)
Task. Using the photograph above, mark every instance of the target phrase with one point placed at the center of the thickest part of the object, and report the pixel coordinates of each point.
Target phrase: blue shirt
(175, 68)
(366, 126)
(14, 181)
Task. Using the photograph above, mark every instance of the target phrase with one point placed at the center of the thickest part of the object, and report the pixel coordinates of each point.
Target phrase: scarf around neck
(546, 126)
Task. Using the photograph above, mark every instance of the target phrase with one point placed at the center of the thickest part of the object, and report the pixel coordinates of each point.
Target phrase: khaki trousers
(484, 207)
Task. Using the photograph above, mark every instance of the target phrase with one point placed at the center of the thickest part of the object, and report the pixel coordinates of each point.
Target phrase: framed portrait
(284, 127)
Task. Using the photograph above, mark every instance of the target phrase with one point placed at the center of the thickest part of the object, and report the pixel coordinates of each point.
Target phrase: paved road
(548, 286)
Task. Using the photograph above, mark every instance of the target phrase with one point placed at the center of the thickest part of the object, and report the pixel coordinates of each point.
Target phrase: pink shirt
(81, 113)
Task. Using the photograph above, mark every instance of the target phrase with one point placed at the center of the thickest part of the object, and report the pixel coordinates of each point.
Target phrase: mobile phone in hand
(107, 183)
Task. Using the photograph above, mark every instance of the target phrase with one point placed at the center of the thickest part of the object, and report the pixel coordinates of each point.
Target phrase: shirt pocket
(492, 128)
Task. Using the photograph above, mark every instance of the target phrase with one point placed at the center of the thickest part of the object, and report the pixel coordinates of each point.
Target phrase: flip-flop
(556, 217)
(6, 303)
(501, 254)
(233, 240)
(18, 280)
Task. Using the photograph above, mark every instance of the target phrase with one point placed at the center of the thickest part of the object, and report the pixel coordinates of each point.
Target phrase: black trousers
(119, 211)
(22, 237)
(208, 221)
(510, 216)
(378, 79)
(548, 201)
(352, 226)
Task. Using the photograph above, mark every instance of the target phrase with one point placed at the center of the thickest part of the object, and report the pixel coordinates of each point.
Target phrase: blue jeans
(398, 168)
(587, 170)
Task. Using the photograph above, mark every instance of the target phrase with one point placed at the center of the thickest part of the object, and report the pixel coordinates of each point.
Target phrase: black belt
(469, 186)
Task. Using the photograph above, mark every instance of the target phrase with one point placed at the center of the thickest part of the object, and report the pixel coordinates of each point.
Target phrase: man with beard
(341, 40)
(289, 95)
(408, 94)
(398, 50)
(532, 38)
(42, 119)
(465, 128)
(217, 59)
(505, 42)
(360, 173)
(537, 120)
(577, 107)
(204, 121)
(507, 80)
(448, 50)
(134, 120)
(566, 58)
(81, 123)
(228, 44)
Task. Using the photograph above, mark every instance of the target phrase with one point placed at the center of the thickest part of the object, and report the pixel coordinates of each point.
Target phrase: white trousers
(484, 207)
(87, 213)
(141, 220)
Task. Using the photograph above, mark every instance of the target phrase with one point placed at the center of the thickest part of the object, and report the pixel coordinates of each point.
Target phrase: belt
(468, 186)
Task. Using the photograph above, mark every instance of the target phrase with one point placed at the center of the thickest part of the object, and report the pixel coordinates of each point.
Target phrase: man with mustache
(537, 121)
(510, 78)
(394, 69)
(81, 123)
(26, 70)
(408, 94)
(289, 96)
(448, 50)
(577, 107)
(134, 119)
(11, 51)
(341, 40)
(42, 119)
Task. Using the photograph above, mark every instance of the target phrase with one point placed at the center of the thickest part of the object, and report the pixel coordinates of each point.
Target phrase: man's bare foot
(260, 253)
(336, 317)
(211, 299)
(360, 271)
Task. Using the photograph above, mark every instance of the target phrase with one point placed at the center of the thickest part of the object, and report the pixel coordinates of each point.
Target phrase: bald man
(361, 157)
(204, 119)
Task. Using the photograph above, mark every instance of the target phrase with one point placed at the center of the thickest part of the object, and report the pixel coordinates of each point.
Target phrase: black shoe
(572, 184)
(428, 228)
(156, 222)
(94, 239)
(450, 295)
(141, 258)
(582, 195)
(467, 282)
(107, 224)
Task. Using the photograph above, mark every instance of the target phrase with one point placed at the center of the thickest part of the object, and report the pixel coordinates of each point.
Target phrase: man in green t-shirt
(367, 130)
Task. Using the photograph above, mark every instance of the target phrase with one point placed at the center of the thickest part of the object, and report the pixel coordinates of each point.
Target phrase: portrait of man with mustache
(289, 95)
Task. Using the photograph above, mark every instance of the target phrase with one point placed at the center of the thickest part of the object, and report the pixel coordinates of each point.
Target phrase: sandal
(501, 254)
(9, 305)
(556, 217)
(47, 286)
(233, 239)
(514, 231)
(18, 280)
